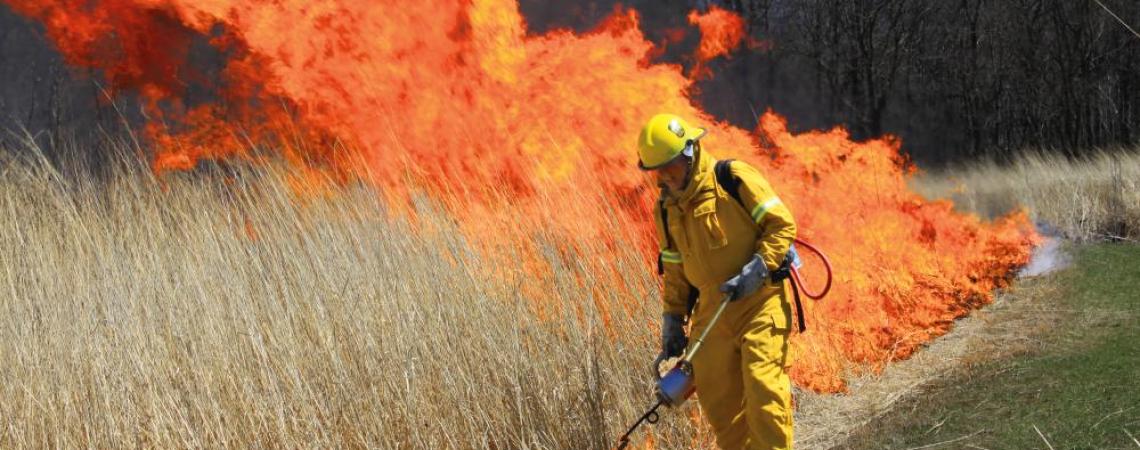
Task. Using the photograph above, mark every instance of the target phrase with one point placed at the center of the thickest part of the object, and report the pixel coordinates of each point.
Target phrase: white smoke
(1047, 257)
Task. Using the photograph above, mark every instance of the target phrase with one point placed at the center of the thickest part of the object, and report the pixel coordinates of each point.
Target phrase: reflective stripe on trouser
(741, 373)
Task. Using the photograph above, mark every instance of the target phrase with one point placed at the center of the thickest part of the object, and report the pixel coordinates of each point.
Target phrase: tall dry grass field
(222, 311)
(1094, 198)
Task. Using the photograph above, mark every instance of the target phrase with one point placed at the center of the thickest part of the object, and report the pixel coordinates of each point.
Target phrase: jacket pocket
(708, 222)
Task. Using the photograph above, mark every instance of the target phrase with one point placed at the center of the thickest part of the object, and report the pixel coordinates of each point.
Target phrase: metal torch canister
(677, 385)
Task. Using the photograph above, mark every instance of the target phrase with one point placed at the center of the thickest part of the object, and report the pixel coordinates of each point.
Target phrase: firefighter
(713, 245)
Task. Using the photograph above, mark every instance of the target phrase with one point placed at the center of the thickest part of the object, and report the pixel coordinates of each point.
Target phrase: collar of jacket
(701, 179)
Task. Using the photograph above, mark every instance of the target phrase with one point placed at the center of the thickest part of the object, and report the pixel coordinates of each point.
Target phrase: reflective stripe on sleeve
(760, 210)
(671, 256)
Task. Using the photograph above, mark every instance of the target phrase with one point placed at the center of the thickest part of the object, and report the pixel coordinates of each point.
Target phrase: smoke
(1047, 257)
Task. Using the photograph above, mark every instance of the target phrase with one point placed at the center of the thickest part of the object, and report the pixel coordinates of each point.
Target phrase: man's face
(674, 174)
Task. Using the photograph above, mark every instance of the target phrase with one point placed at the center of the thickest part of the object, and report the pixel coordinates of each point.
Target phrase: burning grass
(524, 141)
(226, 308)
(1093, 198)
(490, 286)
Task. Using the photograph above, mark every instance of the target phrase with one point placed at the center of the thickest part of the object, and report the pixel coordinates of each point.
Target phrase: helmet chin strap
(690, 153)
(688, 173)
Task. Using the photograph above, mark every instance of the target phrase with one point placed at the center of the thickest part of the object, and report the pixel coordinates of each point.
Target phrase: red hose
(826, 265)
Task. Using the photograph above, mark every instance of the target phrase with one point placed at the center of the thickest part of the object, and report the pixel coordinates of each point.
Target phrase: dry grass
(1088, 199)
(217, 309)
(139, 312)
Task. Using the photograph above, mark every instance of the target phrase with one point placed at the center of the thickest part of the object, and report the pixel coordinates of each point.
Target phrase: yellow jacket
(711, 235)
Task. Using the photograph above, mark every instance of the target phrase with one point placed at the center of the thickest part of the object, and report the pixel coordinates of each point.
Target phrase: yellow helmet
(664, 138)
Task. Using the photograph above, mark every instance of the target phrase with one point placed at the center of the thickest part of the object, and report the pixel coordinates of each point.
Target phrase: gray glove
(673, 339)
(751, 277)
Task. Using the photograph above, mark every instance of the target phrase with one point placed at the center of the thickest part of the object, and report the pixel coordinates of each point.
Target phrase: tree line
(956, 79)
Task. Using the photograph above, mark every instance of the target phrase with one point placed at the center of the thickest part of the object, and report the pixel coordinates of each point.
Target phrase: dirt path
(1007, 327)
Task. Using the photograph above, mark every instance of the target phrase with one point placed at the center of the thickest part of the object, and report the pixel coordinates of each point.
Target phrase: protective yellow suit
(741, 370)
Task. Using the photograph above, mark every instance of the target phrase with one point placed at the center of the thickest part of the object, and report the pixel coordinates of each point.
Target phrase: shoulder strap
(731, 185)
(726, 181)
(668, 237)
(694, 293)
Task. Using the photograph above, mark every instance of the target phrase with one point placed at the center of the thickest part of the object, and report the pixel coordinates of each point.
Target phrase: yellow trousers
(741, 369)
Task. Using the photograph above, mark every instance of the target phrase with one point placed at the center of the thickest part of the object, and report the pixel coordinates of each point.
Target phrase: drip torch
(677, 384)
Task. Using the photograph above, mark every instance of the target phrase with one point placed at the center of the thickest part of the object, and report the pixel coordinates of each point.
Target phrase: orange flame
(721, 32)
(528, 141)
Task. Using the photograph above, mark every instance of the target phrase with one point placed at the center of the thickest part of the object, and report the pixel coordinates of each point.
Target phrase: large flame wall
(453, 97)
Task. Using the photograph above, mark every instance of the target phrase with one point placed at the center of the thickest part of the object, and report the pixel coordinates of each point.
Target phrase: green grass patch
(1080, 389)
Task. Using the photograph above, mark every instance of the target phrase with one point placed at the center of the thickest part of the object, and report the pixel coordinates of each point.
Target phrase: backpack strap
(694, 293)
(731, 184)
(668, 237)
